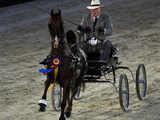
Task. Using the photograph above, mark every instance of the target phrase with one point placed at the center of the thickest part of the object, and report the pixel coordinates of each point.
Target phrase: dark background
(5, 3)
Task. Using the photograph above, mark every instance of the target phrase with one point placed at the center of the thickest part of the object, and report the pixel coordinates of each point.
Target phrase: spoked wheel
(76, 97)
(56, 96)
(141, 82)
(124, 92)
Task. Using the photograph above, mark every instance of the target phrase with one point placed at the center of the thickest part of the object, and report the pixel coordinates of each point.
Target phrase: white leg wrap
(43, 101)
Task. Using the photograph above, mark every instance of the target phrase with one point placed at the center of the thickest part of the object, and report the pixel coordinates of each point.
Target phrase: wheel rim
(56, 97)
(77, 93)
(124, 92)
(141, 82)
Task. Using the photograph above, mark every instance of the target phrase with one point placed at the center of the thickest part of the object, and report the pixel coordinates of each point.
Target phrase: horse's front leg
(70, 101)
(64, 101)
(43, 101)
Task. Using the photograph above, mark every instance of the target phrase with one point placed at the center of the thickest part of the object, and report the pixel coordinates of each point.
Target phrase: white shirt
(95, 18)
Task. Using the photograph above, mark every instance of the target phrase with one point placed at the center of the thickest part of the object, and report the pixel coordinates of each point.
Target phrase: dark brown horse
(68, 76)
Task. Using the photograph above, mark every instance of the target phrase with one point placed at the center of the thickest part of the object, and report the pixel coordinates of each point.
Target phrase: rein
(68, 21)
(45, 11)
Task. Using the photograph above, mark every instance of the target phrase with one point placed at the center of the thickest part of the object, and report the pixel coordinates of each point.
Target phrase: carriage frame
(140, 80)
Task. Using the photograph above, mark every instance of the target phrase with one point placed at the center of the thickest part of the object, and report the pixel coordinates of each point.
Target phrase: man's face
(95, 12)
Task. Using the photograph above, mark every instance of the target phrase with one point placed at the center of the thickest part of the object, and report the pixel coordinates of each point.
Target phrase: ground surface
(24, 41)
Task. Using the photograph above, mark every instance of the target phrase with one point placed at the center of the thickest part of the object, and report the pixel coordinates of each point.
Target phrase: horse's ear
(52, 12)
(59, 12)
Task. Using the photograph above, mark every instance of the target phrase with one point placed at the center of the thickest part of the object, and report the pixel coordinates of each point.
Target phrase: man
(97, 25)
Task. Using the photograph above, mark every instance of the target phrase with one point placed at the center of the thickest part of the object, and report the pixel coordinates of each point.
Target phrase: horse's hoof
(42, 107)
(68, 114)
(62, 118)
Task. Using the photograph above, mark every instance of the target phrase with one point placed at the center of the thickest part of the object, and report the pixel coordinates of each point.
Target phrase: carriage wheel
(124, 92)
(76, 97)
(56, 96)
(141, 82)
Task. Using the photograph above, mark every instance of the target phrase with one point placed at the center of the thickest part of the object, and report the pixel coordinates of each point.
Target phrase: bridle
(57, 38)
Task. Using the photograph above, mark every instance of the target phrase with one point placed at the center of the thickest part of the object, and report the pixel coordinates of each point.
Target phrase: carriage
(100, 68)
(64, 80)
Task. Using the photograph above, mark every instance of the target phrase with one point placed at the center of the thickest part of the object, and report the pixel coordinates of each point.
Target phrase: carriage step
(97, 81)
(91, 77)
(98, 61)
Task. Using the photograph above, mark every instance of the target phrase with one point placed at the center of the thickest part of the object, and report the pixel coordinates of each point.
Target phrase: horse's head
(56, 29)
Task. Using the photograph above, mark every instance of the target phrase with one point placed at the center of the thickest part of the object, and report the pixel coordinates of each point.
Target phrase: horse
(71, 70)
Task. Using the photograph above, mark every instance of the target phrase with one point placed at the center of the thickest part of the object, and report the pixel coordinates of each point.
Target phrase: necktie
(94, 24)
